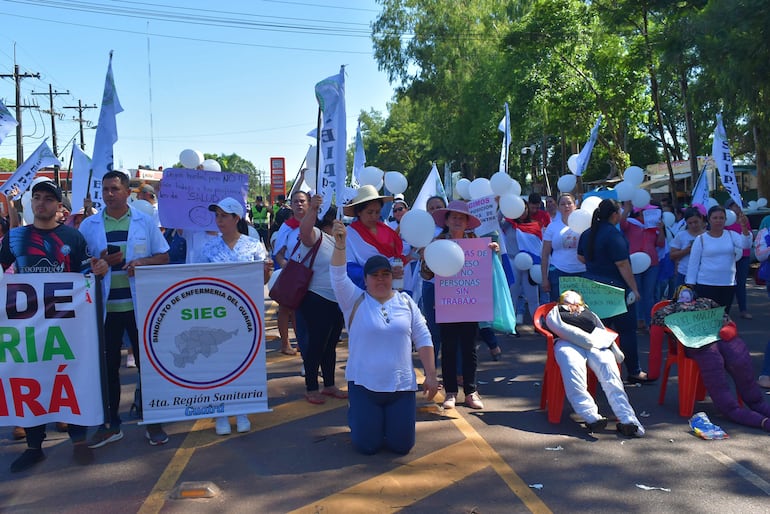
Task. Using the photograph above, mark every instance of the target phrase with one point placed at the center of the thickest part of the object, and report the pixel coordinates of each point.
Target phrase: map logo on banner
(49, 355)
(202, 334)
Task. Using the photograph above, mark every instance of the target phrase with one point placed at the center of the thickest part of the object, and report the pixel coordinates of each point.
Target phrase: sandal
(334, 393)
(640, 378)
(496, 352)
(315, 398)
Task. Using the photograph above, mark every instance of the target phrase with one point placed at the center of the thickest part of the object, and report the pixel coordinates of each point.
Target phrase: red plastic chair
(552, 393)
(691, 386)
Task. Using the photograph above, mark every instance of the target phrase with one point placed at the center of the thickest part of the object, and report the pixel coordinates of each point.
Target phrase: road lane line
(405, 485)
(742, 471)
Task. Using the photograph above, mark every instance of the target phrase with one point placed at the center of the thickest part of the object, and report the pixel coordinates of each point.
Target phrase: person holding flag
(47, 246)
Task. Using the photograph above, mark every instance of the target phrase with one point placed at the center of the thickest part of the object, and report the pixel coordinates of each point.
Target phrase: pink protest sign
(467, 296)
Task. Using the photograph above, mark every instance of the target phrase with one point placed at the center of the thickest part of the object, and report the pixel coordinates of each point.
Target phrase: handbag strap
(312, 253)
(353, 311)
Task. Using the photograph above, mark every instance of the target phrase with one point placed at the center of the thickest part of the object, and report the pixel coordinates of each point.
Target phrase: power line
(17, 77)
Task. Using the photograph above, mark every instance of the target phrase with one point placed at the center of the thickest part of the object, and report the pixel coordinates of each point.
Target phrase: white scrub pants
(572, 361)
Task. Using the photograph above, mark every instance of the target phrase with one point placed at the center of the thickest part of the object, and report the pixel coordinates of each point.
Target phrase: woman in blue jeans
(383, 324)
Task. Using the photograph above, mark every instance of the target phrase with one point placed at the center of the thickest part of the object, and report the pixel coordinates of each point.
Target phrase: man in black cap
(46, 246)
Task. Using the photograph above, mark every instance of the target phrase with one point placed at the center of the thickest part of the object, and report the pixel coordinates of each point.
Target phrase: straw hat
(364, 194)
(439, 215)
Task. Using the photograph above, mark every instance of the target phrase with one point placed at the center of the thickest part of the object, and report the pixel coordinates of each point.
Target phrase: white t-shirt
(682, 240)
(712, 259)
(320, 283)
(564, 242)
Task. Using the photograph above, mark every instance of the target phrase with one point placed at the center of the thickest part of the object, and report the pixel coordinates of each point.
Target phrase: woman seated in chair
(583, 339)
(727, 355)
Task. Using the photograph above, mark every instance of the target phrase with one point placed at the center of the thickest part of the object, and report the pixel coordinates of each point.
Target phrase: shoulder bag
(292, 284)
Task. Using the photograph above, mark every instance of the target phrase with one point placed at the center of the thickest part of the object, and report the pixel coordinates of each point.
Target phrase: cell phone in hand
(112, 249)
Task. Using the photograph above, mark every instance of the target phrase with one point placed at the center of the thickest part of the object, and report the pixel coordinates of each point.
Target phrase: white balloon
(579, 220)
(762, 203)
(463, 188)
(310, 158)
(501, 183)
(211, 165)
(144, 206)
(753, 204)
(515, 188)
(536, 273)
(731, 217)
(711, 202)
(641, 198)
(522, 261)
(273, 279)
(372, 176)
(566, 183)
(625, 191)
(572, 163)
(640, 261)
(512, 206)
(480, 188)
(444, 257)
(634, 175)
(669, 219)
(26, 205)
(395, 182)
(590, 203)
(191, 159)
(417, 228)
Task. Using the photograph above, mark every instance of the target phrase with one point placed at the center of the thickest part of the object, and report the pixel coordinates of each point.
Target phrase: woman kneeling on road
(382, 325)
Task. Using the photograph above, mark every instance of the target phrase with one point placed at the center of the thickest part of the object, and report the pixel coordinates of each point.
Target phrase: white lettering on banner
(720, 152)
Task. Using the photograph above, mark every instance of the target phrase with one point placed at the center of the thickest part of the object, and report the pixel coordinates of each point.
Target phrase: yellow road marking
(404, 485)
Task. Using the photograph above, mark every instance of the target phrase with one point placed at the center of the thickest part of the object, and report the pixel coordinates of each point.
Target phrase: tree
(7, 164)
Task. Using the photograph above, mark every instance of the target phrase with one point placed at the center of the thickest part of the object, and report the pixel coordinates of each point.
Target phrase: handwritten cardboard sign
(696, 329)
(605, 301)
(485, 209)
(185, 196)
(467, 296)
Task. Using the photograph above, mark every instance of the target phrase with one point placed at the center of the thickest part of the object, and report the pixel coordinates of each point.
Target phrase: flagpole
(318, 146)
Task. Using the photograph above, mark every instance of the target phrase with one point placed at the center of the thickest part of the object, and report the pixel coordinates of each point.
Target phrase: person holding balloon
(524, 240)
(559, 256)
(604, 251)
(644, 239)
(457, 222)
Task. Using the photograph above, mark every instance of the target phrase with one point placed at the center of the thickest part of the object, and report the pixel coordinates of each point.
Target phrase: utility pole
(80, 107)
(16, 76)
(51, 93)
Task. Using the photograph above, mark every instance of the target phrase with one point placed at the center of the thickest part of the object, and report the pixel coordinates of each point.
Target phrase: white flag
(7, 122)
(585, 153)
(359, 157)
(431, 187)
(505, 127)
(720, 152)
(700, 193)
(106, 137)
(81, 165)
(330, 94)
(24, 174)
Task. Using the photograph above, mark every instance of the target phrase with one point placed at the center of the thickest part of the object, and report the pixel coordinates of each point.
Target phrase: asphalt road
(506, 458)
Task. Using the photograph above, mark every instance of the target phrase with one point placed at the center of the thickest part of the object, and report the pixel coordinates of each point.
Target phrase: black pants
(114, 326)
(323, 320)
(462, 335)
(36, 435)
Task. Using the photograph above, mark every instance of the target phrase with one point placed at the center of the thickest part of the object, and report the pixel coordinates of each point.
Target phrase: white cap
(229, 205)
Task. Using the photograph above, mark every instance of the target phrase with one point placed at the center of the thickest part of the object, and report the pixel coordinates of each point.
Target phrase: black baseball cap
(49, 186)
(375, 264)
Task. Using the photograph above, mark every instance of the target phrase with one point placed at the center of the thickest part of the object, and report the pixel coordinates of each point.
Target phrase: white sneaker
(223, 426)
(450, 400)
(242, 423)
(130, 361)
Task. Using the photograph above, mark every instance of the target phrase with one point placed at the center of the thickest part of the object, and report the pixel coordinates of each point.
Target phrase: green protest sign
(605, 301)
(696, 328)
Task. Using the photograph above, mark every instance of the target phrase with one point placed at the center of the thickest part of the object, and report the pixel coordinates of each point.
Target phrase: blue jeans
(554, 274)
(646, 282)
(625, 325)
(741, 274)
(380, 420)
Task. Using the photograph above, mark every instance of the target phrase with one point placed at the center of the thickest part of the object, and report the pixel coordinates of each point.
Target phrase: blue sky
(227, 77)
